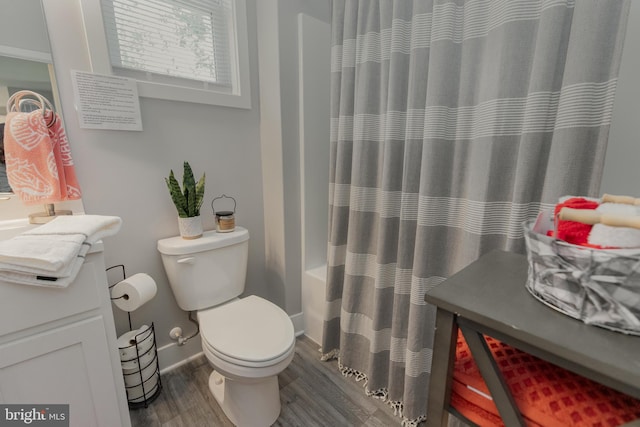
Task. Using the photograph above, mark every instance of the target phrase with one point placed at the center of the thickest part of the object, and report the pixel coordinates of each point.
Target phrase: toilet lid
(250, 329)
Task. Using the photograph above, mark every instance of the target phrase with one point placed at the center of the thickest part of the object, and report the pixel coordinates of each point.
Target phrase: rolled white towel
(615, 237)
(618, 209)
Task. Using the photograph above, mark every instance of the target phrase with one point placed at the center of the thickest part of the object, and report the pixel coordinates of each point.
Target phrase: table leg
(444, 354)
(493, 378)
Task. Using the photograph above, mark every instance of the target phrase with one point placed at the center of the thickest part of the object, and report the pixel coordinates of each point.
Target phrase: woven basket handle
(588, 216)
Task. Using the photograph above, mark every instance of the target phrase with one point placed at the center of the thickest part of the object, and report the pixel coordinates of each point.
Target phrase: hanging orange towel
(38, 158)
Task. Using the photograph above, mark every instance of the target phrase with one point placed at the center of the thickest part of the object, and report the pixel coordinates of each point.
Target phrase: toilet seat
(250, 332)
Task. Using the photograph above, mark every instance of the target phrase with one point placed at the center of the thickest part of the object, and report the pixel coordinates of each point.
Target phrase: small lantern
(225, 220)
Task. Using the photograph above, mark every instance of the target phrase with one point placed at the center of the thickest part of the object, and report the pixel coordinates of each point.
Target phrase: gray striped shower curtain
(452, 122)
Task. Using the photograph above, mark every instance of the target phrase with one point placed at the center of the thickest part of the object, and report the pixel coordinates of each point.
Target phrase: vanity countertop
(13, 227)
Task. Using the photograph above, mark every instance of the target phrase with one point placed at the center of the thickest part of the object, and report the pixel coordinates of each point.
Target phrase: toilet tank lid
(209, 240)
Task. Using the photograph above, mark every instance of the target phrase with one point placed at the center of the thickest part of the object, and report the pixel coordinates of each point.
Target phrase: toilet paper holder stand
(140, 368)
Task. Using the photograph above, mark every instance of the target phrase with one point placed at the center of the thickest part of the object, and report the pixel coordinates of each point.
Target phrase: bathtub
(314, 285)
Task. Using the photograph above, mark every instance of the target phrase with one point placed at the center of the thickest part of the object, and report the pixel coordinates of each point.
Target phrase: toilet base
(255, 403)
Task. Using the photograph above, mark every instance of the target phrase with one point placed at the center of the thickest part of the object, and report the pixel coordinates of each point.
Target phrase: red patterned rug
(546, 394)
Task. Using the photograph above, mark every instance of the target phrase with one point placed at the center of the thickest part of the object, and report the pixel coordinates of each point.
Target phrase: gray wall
(621, 172)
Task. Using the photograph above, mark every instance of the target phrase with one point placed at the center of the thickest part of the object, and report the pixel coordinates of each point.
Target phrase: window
(188, 50)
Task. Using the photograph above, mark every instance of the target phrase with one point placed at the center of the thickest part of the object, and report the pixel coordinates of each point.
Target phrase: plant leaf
(176, 195)
(200, 193)
(189, 185)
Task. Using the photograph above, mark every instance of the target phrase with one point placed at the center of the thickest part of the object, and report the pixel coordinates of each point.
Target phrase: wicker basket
(599, 287)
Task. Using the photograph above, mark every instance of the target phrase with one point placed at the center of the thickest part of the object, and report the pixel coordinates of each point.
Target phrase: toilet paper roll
(130, 294)
(136, 394)
(134, 364)
(134, 377)
(133, 344)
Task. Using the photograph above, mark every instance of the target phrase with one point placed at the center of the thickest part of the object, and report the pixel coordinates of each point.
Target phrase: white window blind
(169, 41)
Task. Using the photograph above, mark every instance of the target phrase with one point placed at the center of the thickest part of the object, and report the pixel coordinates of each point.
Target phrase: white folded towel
(93, 227)
(39, 253)
(61, 280)
(52, 254)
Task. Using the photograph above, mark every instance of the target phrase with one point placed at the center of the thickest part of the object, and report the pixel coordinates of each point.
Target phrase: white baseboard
(172, 356)
(298, 324)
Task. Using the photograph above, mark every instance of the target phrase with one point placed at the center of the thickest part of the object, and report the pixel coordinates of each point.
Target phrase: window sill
(200, 96)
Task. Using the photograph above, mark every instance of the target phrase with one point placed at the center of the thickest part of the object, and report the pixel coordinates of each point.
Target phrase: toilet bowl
(251, 334)
(248, 341)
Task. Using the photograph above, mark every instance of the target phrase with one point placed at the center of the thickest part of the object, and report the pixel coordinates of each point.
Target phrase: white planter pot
(190, 228)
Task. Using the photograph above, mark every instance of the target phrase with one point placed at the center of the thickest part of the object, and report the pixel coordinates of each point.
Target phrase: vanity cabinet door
(66, 365)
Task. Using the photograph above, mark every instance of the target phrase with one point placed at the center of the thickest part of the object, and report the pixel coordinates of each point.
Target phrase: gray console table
(489, 297)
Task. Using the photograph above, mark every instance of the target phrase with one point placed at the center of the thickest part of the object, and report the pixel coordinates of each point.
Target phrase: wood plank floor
(313, 393)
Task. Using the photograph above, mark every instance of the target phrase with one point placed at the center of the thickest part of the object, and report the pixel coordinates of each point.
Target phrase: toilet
(249, 340)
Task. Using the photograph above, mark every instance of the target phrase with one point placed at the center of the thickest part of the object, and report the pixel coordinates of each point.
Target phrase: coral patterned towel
(38, 158)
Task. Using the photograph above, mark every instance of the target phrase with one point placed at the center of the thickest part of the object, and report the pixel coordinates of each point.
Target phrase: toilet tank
(207, 271)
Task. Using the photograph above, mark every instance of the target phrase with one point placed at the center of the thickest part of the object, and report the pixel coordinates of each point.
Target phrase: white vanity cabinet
(58, 346)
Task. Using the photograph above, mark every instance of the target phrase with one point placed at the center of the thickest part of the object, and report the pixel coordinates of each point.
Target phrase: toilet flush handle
(187, 260)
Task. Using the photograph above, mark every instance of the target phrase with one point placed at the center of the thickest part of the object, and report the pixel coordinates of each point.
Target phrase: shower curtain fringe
(333, 354)
(381, 393)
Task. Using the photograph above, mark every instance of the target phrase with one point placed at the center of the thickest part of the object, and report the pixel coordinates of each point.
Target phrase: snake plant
(188, 200)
